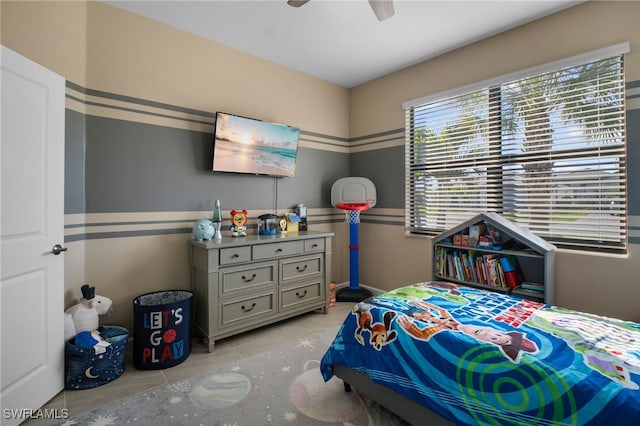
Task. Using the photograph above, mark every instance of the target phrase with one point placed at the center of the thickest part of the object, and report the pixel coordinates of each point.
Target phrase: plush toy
(238, 223)
(84, 315)
(92, 339)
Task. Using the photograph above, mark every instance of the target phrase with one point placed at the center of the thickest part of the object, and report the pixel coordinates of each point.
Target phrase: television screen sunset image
(244, 145)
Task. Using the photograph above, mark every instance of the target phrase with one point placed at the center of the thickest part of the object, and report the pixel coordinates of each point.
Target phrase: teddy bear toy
(238, 223)
(83, 316)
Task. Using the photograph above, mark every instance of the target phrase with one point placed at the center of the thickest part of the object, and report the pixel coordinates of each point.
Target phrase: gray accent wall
(385, 168)
(74, 162)
(124, 166)
(121, 166)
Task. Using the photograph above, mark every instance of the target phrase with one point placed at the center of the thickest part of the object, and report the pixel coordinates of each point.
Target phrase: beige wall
(100, 47)
(104, 48)
(53, 34)
(377, 105)
(139, 57)
(595, 283)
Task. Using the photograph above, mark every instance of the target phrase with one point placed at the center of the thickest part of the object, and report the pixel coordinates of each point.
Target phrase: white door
(32, 222)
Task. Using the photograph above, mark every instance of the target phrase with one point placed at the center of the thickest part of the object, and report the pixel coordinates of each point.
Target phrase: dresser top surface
(259, 239)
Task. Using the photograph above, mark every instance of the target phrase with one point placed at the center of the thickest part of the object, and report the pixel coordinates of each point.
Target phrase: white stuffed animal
(84, 315)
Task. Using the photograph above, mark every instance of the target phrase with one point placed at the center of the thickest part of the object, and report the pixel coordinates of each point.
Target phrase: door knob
(57, 249)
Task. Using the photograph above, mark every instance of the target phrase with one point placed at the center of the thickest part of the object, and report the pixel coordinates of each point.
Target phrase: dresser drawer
(231, 255)
(247, 277)
(285, 248)
(300, 268)
(316, 244)
(296, 295)
(246, 310)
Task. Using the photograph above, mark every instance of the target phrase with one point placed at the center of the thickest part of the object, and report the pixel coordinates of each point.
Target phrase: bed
(439, 353)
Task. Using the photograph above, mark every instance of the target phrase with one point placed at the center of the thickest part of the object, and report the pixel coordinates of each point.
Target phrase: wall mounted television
(247, 145)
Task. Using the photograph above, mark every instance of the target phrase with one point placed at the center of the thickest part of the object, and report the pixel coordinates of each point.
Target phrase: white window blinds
(546, 150)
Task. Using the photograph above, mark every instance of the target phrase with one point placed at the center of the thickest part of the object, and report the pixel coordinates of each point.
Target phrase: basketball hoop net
(352, 211)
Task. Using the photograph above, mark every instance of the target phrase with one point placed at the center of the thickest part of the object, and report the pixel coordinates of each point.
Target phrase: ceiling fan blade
(296, 3)
(382, 8)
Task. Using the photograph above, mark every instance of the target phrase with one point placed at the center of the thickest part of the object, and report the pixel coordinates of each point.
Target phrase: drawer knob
(299, 269)
(300, 296)
(314, 245)
(245, 309)
(279, 250)
(253, 277)
(235, 255)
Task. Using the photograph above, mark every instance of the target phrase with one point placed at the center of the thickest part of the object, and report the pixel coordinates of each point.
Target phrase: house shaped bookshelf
(493, 253)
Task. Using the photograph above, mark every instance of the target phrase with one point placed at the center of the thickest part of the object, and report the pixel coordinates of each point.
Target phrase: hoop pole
(354, 273)
(353, 293)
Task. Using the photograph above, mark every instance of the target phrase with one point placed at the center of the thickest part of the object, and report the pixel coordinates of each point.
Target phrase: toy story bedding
(480, 357)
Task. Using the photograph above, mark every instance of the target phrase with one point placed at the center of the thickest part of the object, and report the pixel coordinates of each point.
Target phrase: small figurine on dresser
(283, 224)
(238, 223)
(292, 222)
(203, 230)
(217, 221)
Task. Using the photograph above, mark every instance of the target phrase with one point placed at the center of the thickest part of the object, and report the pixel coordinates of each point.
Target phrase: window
(545, 148)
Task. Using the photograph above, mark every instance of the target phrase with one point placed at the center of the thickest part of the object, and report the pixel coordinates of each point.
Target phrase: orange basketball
(169, 336)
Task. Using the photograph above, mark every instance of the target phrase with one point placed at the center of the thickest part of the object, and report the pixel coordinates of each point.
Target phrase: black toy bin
(86, 369)
(162, 329)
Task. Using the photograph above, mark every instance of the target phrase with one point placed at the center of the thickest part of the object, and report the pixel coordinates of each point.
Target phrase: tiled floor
(199, 361)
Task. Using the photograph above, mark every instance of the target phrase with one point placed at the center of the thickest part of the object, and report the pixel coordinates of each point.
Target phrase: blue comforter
(478, 357)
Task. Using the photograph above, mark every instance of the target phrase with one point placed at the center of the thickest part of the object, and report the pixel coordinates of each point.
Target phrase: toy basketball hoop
(353, 195)
(352, 211)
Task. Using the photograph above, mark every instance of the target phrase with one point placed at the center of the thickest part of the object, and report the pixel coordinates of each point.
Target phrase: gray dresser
(246, 282)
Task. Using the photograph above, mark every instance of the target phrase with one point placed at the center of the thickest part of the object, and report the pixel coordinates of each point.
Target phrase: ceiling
(342, 41)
